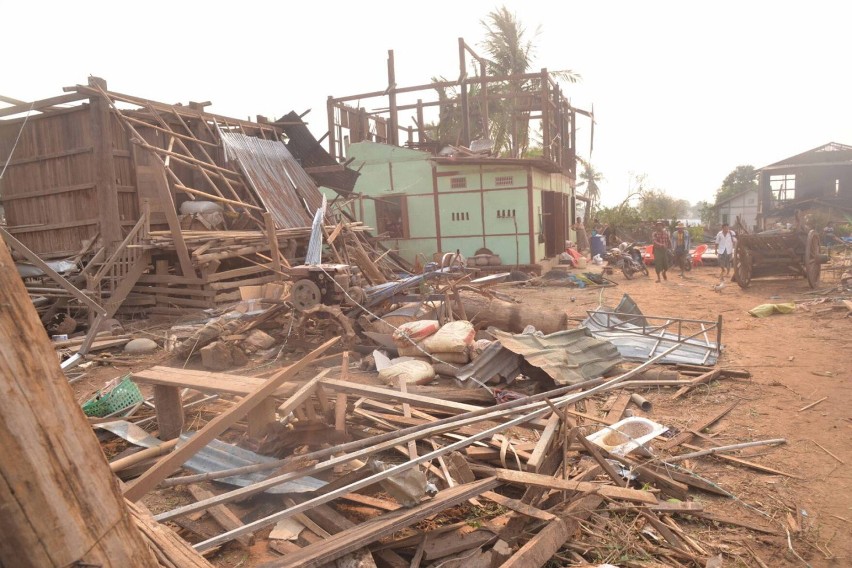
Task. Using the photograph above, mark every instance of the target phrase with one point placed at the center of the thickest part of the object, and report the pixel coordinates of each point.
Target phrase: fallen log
(484, 312)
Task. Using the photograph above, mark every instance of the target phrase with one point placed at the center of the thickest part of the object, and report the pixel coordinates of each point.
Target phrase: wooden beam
(42, 104)
(223, 516)
(548, 482)
(360, 535)
(222, 422)
(540, 549)
(61, 505)
(397, 396)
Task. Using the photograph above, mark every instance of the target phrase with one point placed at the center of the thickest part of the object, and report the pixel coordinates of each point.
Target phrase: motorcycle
(627, 258)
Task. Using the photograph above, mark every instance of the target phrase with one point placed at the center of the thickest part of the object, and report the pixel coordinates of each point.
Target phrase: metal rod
(260, 523)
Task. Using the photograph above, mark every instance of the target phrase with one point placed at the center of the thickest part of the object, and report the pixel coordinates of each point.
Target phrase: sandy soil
(795, 359)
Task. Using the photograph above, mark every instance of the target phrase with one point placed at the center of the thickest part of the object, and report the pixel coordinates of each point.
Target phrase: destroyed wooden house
(819, 179)
(159, 207)
(445, 182)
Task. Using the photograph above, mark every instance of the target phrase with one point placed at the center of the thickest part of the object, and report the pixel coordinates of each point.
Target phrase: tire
(627, 271)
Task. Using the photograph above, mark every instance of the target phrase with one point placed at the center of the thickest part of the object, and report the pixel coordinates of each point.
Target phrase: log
(61, 503)
(485, 312)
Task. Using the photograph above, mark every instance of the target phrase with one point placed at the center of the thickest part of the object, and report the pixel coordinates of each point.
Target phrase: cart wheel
(812, 259)
(742, 267)
(305, 295)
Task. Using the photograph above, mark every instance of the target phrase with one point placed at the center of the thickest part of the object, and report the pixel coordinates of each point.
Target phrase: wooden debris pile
(408, 475)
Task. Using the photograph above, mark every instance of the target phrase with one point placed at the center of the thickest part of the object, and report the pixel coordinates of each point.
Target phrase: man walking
(662, 244)
(726, 240)
(680, 241)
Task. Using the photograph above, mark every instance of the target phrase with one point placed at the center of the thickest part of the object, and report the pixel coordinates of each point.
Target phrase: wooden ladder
(119, 274)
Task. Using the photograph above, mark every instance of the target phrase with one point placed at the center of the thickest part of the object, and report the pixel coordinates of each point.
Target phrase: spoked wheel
(742, 267)
(812, 259)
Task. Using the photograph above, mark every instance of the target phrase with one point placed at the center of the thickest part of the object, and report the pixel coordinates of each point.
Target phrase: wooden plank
(360, 535)
(746, 463)
(593, 450)
(222, 422)
(687, 436)
(548, 482)
(48, 192)
(540, 549)
(618, 407)
(206, 381)
(388, 394)
(42, 104)
(699, 380)
(544, 443)
(519, 506)
(223, 516)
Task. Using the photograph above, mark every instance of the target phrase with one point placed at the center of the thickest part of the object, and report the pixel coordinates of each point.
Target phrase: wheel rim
(305, 295)
(742, 267)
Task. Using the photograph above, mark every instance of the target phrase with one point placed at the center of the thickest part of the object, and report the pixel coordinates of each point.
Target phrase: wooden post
(274, 252)
(332, 138)
(484, 111)
(393, 119)
(61, 504)
(465, 105)
(546, 135)
(109, 220)
(169, 411)
(421, 133)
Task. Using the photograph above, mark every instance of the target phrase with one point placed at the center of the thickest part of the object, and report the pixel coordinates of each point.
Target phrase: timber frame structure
(530, 96)
(108, 185)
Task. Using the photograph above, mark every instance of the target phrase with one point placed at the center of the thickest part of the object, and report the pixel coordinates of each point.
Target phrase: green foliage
(696, 235)
(591, 178)
(740, 179)
(657, 204)
(706, 212)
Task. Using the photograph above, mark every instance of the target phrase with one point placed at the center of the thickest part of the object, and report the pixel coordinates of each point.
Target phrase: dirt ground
(795, 359)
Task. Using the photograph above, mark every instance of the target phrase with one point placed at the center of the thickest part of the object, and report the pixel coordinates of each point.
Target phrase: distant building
(743, 206)
(820, 178)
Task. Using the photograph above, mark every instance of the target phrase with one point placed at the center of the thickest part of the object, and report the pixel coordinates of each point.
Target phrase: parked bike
(624, 259)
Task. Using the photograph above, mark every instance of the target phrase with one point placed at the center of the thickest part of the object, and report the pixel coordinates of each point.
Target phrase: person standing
(662, 244)
(726, 240)
(582, 237)
(680, 242)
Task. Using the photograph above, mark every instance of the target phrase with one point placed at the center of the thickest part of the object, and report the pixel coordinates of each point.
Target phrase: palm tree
(591, 178)
(511, 51)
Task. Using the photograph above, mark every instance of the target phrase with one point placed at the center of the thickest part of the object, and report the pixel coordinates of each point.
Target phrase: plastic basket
(110, 400)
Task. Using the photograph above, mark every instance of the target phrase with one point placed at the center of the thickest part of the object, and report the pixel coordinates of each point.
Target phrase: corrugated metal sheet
(286, 190)
(217, 456)
(568, 357)
(625, 334)
(495, 364)
(310, 153)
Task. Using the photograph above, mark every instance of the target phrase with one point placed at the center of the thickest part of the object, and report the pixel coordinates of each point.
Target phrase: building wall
(743, 205)
(479, 205)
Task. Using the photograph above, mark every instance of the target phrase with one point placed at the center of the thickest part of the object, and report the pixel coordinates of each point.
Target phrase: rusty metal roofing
(638, 338)
(284, 188)
(568, 357)
(311, 154)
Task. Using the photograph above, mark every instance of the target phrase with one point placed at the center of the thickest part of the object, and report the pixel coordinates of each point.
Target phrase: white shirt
(725, 243)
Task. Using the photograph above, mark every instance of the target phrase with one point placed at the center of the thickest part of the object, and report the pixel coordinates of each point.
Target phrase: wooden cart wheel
(742, 267)
(812, 259)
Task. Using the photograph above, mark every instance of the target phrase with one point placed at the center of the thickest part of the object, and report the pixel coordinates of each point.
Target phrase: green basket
(110, 400)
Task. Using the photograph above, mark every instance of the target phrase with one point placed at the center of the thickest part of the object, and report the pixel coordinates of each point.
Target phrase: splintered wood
(409, 475)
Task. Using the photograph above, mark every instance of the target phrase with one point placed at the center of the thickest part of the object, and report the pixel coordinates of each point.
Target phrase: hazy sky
(683, 91)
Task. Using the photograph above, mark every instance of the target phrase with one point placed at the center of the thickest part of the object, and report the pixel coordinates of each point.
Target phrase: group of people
(674, 248)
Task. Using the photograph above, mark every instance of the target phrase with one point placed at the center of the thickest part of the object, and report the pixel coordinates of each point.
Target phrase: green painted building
(422, 204)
